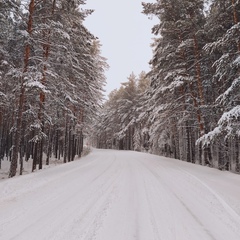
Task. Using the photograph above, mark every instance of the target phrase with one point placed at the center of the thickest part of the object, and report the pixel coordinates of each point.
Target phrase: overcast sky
(125, 35)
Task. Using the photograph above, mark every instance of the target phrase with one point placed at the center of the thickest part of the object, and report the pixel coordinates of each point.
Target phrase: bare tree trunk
(69, 152)
(40, 154)
(35, 151)
(22, 149)
(56, 146)
(66, 139)
(49, 146)
(237, 155)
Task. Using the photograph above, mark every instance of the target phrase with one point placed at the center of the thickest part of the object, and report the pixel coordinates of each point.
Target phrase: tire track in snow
(98, 208)
(202, 202)
(153, 219)
(135, 197)
(130, 227)
(44, 201)
(69, 201)
(169, 190)
(231, 212)
(217, 207)
(167, 225)
(12, 189)
(152, 215)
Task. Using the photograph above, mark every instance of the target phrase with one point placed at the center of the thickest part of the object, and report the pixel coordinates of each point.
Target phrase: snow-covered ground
(121, 195)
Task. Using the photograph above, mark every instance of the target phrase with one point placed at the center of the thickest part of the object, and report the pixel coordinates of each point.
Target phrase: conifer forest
(188, 106)
(52, 78)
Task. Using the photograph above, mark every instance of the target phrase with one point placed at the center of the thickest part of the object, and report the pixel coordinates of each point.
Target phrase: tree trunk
(237, 146)
(49, 146)
(56, 146)
(40, 154)
(35, 151)
(22, 149)
(66, 139)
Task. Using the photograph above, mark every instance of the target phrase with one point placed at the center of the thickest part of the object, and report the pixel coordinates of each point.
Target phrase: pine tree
(20, 105)
(223, 48)
(176, 75)
(119, 125)
(53, 65)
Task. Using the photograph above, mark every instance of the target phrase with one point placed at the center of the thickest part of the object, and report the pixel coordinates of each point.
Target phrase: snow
(230, 115)
(208, 137)
(37, 84)
(121, 195)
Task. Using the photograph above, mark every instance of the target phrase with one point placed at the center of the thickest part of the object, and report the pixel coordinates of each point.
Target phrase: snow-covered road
(121, 195)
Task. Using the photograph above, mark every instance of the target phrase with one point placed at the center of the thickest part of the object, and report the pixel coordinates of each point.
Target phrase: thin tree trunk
(35, 151)
(56, 142)
(22, 149)
(66, 140)
(49, 146)
(69, 151)
(40, 152)
(237, 146)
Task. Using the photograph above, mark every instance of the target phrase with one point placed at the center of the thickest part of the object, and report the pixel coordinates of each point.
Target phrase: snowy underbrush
(27, 165)
(86, 150)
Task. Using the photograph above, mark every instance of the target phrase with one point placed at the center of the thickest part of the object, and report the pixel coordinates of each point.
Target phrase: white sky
(125, 35)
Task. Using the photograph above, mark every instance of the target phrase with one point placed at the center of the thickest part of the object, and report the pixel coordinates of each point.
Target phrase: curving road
(121, 195)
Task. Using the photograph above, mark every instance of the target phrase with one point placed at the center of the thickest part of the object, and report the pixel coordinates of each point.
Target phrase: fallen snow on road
(121, 195)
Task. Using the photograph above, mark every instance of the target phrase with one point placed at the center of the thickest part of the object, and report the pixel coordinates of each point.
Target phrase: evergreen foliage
(52, 78)
(191, 109)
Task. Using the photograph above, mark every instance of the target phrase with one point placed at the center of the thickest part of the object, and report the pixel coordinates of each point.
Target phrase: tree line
(189, 108)
(51, 80)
